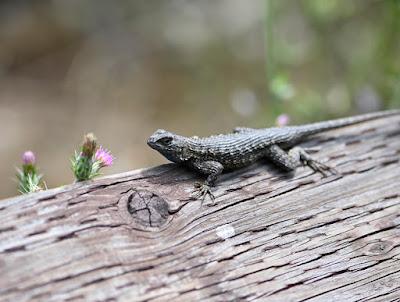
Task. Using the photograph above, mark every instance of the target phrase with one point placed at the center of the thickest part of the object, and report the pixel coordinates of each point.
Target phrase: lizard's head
(170, 145)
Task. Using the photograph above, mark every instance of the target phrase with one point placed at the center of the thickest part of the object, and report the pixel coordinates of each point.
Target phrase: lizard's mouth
(156, 146)
(153, 141)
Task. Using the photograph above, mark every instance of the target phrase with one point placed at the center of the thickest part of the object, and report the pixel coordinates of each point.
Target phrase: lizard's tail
(333, 124)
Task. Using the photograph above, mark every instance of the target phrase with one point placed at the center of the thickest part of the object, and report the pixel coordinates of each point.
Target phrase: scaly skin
(213, 155)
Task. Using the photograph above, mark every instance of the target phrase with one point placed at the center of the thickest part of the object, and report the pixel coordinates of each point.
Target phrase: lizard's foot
(317, 166)
(297, 157)
(201, 191)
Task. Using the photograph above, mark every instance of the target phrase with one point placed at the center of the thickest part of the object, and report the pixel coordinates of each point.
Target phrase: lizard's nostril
(150, 141)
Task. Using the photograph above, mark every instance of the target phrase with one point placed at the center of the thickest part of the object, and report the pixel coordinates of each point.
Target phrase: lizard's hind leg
(296, 157)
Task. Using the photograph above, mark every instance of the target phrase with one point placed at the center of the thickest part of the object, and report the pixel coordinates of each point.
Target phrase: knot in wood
(379, 248)
(148, 208)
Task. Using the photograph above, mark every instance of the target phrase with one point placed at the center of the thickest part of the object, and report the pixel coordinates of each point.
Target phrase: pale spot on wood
(49, 209)
(225, 231)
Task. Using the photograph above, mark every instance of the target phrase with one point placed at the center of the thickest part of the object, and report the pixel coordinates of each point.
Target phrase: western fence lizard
(213, 155)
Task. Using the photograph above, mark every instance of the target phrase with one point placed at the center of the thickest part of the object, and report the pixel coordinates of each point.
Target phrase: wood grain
(270, 236)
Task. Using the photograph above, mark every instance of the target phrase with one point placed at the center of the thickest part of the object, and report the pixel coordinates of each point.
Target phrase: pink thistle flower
(28, 158)
(104, 157)
(282, 120)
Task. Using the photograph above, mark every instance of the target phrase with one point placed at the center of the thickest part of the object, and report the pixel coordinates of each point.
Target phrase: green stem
(268, 42)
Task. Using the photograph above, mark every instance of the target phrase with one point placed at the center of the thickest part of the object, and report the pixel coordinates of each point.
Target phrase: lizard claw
(320, 167)
(315, 165)
(201, 191)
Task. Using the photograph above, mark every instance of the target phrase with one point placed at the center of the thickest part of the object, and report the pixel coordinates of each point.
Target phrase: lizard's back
(248, 145)
(238, 149)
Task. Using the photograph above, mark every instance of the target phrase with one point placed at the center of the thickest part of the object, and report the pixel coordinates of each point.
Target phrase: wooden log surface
(270, 236)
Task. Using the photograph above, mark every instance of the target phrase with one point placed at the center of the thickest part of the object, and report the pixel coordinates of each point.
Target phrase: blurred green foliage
(338, 57)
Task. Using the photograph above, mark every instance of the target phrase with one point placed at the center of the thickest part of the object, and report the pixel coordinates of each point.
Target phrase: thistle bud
(28, 178)
(87, 163)
(28, 158)
(89, 145)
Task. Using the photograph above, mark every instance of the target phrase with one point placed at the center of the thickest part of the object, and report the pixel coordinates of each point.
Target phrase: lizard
(215, 154)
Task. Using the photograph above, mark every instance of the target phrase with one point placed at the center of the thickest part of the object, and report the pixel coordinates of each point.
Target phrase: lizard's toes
(330, 169)
(201, 191)
(321, 168)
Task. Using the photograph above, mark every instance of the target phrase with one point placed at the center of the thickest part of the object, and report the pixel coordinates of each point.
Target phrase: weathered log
(138, 236)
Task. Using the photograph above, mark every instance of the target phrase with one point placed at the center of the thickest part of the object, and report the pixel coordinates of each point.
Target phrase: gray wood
(137, 236)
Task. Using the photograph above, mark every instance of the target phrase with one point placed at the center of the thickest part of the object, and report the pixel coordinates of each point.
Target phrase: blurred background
(122, 69)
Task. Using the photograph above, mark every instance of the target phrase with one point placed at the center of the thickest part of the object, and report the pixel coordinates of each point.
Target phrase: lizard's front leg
(210, 168)
(296, 157)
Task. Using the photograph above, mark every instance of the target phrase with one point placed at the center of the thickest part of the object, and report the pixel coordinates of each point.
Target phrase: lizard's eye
(165, 140)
